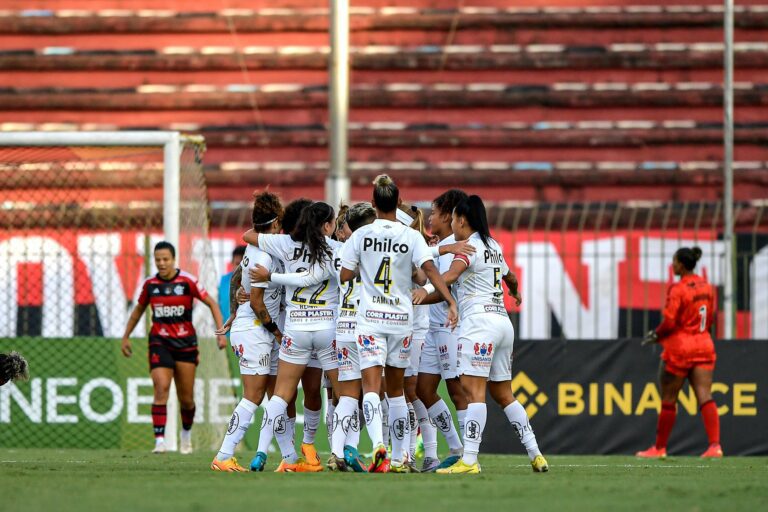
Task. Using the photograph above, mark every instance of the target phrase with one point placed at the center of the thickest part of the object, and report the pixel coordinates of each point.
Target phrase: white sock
(186, 435)
(342, 424)
(329, 420)
(413, 429)
(385, 421)
(236, 429)
(372, 414)
(353, 438)
(441, 416)
(311, 422)
(399, 428)
(518, 418)
(461, 416)
(473, 433)
(428, 430)
(289, 435)
(276, 423)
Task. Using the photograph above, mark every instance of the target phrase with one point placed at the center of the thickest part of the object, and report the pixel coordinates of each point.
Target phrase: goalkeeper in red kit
(689, 352)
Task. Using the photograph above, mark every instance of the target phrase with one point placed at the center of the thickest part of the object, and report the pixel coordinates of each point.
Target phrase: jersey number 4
(383, 275)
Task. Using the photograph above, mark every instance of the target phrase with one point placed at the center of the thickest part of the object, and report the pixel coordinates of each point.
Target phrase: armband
(271, 327)
(429, 288)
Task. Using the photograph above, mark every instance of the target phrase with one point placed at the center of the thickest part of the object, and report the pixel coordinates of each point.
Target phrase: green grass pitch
(111, 480)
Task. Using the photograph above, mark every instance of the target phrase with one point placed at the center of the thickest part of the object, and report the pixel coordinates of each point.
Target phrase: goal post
(79, 213)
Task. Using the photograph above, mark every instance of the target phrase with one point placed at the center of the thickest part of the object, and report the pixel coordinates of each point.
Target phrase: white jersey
(438, 313)
(246, 318)
(349, 300)
(480, 289)
(309, 308)
(385, 252)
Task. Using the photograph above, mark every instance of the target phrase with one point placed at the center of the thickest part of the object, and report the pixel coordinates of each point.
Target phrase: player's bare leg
(161, 384)
(311, 382)
(518, 417)
(670, 385)
(184, 376)
(701, 381)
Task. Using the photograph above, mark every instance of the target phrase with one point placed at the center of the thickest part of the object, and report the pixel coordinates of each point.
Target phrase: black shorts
(164, 356)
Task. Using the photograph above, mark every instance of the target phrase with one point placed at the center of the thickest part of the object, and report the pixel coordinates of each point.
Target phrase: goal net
(79, 215)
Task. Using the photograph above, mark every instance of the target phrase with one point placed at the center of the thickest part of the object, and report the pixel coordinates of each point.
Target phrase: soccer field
(79, 480)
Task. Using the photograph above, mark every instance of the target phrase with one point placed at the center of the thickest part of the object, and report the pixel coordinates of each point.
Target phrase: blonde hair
(417, 215)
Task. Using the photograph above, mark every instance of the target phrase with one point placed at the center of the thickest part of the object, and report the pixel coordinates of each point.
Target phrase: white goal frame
(171, 142)
(168, 140)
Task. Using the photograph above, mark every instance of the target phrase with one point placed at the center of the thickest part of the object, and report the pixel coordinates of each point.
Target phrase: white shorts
(439, 354)
(349, 360)
(297, 347)
(416, 347)
(383, 350)
(253, 349)
(314, 362)
(485, 347)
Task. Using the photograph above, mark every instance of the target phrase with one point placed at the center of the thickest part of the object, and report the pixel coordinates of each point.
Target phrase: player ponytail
(309, 231)
(341, 219)
(688, 257)
(165, 245)
(415, 218)
(13, 367)
(266, 210)
(473, 210)
(359, 215)
(386, 195)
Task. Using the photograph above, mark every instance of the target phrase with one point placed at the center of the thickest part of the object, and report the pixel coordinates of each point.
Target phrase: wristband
(429, 288)
(271, 327)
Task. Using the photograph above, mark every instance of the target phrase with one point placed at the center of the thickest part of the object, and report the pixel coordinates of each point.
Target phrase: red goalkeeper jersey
(688, 315)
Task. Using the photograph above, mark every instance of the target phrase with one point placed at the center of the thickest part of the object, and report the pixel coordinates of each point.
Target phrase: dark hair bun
(696, 252)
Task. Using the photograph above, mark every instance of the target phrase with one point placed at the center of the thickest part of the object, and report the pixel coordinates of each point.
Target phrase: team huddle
(364, 298)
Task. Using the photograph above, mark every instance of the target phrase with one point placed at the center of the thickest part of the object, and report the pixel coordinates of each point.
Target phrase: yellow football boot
(460, 467)
(539, 464)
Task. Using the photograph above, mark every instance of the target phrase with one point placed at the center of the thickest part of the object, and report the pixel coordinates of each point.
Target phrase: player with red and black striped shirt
(173, 353)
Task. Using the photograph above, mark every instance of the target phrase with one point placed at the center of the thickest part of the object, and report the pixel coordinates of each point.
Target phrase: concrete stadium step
(391, 95)
(367, 18)
(497, 58)
(190, 120)
(595, 134)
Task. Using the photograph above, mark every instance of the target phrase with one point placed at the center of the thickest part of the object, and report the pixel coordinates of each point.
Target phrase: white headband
(266, 223)
(403, 217)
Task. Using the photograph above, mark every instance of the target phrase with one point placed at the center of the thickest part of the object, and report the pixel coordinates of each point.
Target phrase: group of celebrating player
(361, 301)
(359, 296)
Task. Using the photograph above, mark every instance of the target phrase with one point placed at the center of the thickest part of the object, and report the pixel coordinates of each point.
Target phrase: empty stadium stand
(571, 100)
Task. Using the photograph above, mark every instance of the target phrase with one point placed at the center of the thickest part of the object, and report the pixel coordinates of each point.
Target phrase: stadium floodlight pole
(337, 183)
(728, 236)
